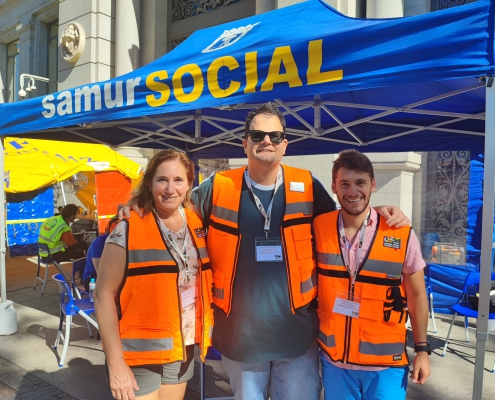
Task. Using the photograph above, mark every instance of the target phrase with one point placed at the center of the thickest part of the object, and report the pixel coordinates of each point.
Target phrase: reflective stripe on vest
(218, 293)
(202, 252)
(328, 341)
(224, 213)
(329, 259)
(142, 256)
(297, 208)
(138, 345)
(309, 284)
(381, 349)
(392, 269)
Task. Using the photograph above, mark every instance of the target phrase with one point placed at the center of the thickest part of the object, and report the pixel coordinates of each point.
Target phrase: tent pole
(486, 241)
(63, 193)
(3, 272)
(8, 314)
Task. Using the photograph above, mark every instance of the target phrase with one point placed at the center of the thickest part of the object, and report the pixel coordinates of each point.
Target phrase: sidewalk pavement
(29, 364)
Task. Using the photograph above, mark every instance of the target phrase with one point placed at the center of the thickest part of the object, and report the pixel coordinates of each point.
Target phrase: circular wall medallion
(72, 41)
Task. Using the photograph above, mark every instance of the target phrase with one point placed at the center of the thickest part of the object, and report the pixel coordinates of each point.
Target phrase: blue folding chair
(212, 354)
(68, 308)
(465, 309)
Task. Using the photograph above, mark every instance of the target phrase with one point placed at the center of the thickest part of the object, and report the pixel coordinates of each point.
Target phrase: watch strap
(425, 348)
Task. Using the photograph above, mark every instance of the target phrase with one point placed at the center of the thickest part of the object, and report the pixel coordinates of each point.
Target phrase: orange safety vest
(378, 336)
(150, 311)
(224, 236)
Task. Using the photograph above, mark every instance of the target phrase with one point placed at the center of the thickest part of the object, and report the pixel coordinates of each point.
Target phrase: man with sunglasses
(258, 222)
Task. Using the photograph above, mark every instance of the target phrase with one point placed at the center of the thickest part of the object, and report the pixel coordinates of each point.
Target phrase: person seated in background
(56, 233)
(94, 254)
(59, 210)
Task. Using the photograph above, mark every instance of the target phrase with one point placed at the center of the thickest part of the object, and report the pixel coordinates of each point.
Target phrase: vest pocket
(327, 334)
(303, 241)
(372, 300)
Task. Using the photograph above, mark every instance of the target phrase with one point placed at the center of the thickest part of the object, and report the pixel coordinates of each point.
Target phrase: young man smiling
(369, 276)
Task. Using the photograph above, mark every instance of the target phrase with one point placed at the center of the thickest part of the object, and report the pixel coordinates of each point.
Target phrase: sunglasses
(275, 136)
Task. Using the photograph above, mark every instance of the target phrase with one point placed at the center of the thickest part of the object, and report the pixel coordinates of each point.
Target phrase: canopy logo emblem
(229, 37)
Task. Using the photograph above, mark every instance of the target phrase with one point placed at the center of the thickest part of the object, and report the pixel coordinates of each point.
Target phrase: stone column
(127, 23)
(384, 8)
(265, 5)
(154, 30)
(26, 47)
(394, 175)
(3, 73)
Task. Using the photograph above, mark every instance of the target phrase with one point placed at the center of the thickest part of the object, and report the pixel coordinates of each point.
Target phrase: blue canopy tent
(421, 83)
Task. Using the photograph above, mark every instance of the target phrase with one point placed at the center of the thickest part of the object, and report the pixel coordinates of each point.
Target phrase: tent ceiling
(359, 118)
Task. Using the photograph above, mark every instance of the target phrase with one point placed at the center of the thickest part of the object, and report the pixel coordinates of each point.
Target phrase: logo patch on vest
(200, 232)
(397, 358)
(393, 243)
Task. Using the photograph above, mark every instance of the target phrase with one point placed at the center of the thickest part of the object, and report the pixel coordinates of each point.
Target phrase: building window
(183, 9)
(52, 58)
(12, 71)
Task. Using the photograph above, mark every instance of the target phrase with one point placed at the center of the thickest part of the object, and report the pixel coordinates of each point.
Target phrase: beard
(355, 211)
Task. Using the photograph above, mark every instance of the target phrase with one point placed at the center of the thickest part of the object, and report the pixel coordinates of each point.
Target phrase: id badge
(189, 297)
(268, 249)
(347, 307)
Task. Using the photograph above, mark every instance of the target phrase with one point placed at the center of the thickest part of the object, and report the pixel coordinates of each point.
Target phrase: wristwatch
(422, 346)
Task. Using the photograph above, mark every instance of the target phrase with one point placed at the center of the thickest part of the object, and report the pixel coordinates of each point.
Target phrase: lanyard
(181, 253)
(267, 214)
(347, 247)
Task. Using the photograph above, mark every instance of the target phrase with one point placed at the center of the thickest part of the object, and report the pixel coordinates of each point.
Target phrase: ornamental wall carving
(72, 42)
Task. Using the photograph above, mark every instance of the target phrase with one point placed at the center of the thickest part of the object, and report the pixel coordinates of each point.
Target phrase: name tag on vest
(297, 187)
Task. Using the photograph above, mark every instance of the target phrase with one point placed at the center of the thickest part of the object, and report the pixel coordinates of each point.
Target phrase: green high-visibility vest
(50, 233)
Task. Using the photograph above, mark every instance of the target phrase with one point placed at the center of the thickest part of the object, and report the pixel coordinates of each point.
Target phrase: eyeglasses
(275, 136)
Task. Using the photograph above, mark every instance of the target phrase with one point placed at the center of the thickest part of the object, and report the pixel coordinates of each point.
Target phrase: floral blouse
(188, 273)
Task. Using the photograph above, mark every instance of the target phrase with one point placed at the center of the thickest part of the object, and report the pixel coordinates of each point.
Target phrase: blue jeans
(287, 379)
(345, 384)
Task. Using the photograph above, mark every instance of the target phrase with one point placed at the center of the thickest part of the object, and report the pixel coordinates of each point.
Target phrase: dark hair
(353, 160)
(269, 108)
(111, 224)
(69, 210)
(142, 195)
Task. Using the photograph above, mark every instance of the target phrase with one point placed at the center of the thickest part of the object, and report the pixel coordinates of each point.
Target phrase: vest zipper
(347, 347)
(289, 282)
(239, 238)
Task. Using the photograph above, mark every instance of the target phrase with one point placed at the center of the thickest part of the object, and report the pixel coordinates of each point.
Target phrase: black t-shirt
(261, 326)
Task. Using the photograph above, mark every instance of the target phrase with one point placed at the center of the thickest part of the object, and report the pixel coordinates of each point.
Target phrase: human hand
(421, 368)
(393, 216)
(122, 382)
(126, 211)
